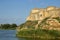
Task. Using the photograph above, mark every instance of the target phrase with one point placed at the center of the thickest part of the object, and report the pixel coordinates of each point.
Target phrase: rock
(41, 13)
(50, 17)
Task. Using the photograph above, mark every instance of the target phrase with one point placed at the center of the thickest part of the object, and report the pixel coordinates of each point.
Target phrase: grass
(39, 33)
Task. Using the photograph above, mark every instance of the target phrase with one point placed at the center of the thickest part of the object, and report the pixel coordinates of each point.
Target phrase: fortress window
(40, 14)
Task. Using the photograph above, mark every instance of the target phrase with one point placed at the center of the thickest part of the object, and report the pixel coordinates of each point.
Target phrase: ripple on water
(8, 35)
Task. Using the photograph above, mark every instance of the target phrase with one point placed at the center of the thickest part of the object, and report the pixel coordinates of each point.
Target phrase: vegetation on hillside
(29, 24)
(58, 19)
(43, 22)
(38, 33)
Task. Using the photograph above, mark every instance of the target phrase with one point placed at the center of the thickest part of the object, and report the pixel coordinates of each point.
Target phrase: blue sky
(16, 11)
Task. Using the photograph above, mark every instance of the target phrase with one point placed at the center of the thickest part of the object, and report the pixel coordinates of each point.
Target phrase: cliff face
(40, 14)
(47, 18)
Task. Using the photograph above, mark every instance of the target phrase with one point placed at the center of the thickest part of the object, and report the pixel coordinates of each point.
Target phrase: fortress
(41, 23)
(40, 14)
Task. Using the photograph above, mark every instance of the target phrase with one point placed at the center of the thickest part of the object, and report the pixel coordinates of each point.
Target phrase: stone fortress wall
(40, 14)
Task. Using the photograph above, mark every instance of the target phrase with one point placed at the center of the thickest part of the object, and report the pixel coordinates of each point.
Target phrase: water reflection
(35, 39)
(8, 35)
(11, 35)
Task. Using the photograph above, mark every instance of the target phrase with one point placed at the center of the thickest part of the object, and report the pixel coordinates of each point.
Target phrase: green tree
(5, 26)
(13, 26)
